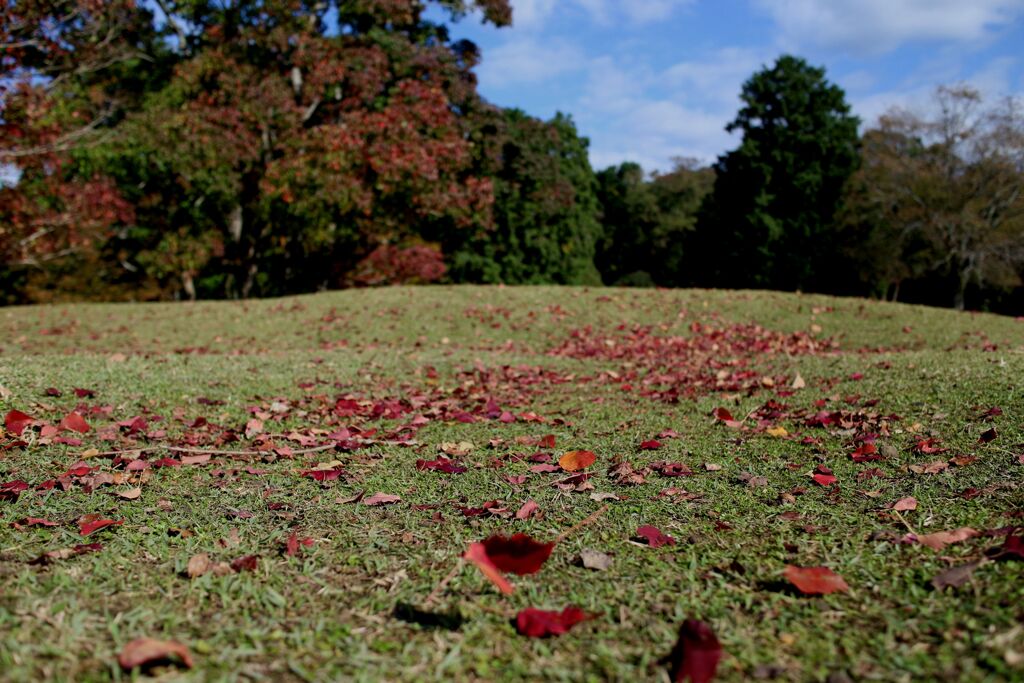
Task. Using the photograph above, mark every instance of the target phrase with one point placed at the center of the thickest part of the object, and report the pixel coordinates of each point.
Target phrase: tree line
(234, 148)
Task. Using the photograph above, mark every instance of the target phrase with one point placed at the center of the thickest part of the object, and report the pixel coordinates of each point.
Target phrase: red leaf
(93, 523)
(323, 475)
(518, 554)
(143, 651)
(987, 436)
(696, 654)
(446, 466)
(73, 422)
(529, 509)
(815, 580)
(537, 623)
(246, 563)
(294, 544)
(866, 452)
(32, 521)
(574, 461)
(723, 415)
(651, 445)
(477, 554)
(823, 476)
(16, 421)
(655, 538)
(1013, 547)
(12, 489)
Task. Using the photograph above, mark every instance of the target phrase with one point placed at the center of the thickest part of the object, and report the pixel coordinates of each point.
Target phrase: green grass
(330, 613)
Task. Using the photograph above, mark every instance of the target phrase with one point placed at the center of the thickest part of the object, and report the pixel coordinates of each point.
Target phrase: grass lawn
(785, 429)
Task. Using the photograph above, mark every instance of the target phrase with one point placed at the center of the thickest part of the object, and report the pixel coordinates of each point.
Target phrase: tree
(284, 141)
(545, 205)
(771, 219)
(648, 223)
(945, 192)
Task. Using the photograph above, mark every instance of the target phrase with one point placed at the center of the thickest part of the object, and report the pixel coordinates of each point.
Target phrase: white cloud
(529, 61)
(533, 14)
(878, 26)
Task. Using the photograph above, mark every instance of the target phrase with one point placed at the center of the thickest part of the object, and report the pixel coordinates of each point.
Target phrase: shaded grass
(330, 613)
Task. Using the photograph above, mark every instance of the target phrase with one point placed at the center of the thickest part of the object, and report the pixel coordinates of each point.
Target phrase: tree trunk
(961, 290)
(188, 285)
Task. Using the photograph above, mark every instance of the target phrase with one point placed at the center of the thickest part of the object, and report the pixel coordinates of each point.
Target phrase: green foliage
(647, 223)
(771, 218)
(545, 205)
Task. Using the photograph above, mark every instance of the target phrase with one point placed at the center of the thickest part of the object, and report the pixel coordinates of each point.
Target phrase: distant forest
(247, 148)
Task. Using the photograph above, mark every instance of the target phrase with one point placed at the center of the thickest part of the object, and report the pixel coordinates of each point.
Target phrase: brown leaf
(930, 468)
(592, 559)
(381, 499)
(941, 539)
(625, 474)
(143, 651)
(955, 576)
(529, 509)
(904, 504)
(198, 565)
(130, 494)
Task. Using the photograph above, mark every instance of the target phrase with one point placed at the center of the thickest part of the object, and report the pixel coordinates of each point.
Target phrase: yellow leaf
(778, 432)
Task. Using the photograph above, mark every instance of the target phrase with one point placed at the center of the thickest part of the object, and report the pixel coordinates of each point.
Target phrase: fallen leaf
(651, 445)
(815, 580)
(73, 422)
(198, 565)
(145, 651)
(655, 538)
(954, 577)
(798, 382)
(529, 509)
(439, 465)
(696, 653)
(536, 623)
(93, 523)
(16, 421)
(246, 563)
(294, 544)
(574, 461)
(130, 494)
(457, 449)
(1013, 548)
(904, 504)
(592, 559)
(941, 539)
(931, 468)
(600, 497)
(32, 521)
(381, 499)
(988, 436)
(65, 553)
(777, 432)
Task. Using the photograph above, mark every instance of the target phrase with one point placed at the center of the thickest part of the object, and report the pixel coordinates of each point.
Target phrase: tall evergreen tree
(771, 219)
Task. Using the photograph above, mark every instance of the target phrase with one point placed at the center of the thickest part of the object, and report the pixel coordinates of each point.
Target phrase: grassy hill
(226, 429)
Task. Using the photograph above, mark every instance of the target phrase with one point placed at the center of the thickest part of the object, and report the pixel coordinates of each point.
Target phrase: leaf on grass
(246, 563)
(777, 432)
(73, 422)
(1013, 548)
(457, 449)
(16, 421)
(10, 490)
(930, 468)
(823, 476)
(529, 509)
(696, 654)
(905, 504)
(130, 494)
(592, 559)
(941, 539)
(574, 461)
(866, 452)
(654, 537)
(146, 651)
(518, 553)
(294, 544)
(439, 465)
(988, 435)
(198, 565)
(92, 523)
(324, 475)
(381, 499)
(536, 623)
(954, 577)
(32, 521)
(65, 553)
(650, 445)
(815, 580)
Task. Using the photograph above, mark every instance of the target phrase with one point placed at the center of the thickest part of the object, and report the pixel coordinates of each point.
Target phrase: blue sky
(649, 80)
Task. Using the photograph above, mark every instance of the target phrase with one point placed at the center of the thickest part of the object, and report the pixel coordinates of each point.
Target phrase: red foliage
(536, 623)
(389, 265)
(815, 580)
(696, 654)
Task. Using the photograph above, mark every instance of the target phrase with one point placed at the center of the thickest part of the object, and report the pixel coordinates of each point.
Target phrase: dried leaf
(815, 580)
(954, 577)
(198, 565)
(905, 504)
(381, 499)
(145, 651)
(592, 559)
(574, 461)
(941, 539)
